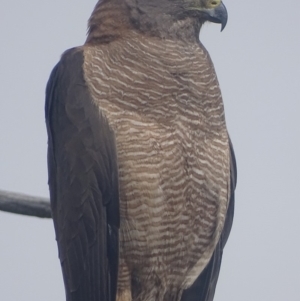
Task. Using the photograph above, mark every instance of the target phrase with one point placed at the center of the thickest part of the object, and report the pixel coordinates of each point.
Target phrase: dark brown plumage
(141, 169)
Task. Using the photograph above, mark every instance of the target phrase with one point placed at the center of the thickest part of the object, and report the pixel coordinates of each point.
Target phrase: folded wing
(83, 181)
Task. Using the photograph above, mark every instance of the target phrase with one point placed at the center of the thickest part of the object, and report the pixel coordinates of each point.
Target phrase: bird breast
(164, 104)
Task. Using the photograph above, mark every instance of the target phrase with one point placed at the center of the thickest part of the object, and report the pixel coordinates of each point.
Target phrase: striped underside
(164, 103)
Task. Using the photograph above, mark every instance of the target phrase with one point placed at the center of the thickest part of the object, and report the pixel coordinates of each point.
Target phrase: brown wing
(83, 180)
(203, 289)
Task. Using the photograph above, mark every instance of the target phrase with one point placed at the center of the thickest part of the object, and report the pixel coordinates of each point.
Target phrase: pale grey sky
(257, 59)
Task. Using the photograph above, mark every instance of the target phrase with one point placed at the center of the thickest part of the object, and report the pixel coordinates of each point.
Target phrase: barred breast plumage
(163, 101)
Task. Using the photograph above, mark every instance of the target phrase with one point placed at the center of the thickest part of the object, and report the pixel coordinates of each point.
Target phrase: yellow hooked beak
(217, 13)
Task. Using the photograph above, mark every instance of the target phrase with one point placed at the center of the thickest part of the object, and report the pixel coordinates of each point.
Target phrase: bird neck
(113, 19)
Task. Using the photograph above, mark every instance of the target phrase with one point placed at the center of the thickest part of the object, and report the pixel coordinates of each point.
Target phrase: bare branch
(24, 204)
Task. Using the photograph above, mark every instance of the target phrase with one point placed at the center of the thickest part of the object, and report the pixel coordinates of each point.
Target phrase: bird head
(177, 19)
(199, 10)
(207, 10)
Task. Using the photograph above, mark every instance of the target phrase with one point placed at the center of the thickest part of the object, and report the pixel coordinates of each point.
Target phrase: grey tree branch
(24, 204)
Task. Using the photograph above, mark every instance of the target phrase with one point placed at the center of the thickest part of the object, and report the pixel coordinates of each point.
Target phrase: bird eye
(214, 3)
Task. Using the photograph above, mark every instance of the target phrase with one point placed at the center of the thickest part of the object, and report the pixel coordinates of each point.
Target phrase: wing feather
(83, 181)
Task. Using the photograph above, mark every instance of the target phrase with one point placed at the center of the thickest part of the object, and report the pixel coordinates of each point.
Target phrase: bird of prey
(141, 168)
